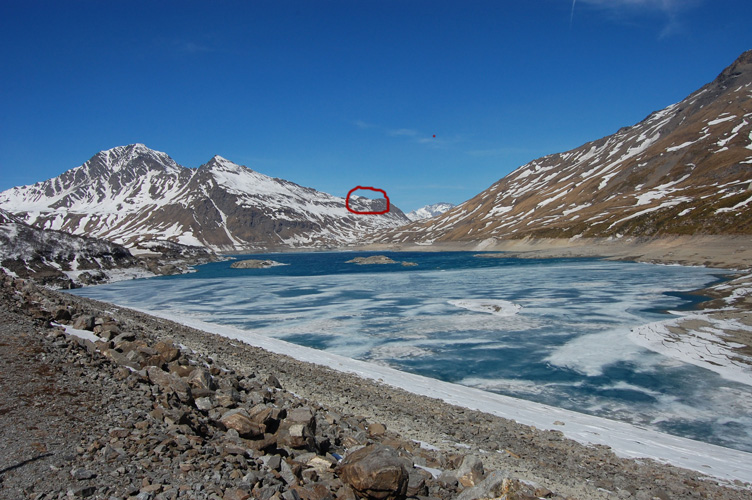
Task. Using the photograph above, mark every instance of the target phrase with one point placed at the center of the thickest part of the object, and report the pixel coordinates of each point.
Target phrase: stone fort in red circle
(347, 200)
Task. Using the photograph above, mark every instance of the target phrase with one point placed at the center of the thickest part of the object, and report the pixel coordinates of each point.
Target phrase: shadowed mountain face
(45, 255)
(132, 194)
(685, 169)
(63, 260)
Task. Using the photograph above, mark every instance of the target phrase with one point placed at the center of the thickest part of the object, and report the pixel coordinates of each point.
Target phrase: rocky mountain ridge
(684, 170)
(132, 194)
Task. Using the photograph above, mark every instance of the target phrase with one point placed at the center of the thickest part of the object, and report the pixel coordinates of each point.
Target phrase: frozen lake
(549, 331)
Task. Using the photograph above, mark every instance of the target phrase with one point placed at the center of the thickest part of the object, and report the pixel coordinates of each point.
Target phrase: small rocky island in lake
(255, 264)
(378, 259)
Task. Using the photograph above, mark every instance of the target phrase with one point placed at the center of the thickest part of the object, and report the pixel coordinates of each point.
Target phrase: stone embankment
(146, 409)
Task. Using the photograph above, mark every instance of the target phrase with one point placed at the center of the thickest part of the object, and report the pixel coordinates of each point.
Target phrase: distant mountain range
(686, 169)
(132, 194)
(429, 211)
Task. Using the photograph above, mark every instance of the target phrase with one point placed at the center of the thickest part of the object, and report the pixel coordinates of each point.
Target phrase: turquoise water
(553, 331)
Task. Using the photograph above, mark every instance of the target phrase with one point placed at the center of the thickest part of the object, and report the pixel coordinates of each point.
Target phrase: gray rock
(416, 484)
(490, 487)
(374, 259)
(82, 474)
(85, 322)
(254, 264)
(205, 403)
(124, 337)
(470, 472)
(200, 379)
(287, 474)
(168, 381)
(272, 462)
(273, 382)
(448, 478)
(84, 492)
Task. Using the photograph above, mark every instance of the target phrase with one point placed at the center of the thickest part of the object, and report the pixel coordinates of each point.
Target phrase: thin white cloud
(627, 9)
(661, 5)
(408, 133)
(362, 124)
(404, 132)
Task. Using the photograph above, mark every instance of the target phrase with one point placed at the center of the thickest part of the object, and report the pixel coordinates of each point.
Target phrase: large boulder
(375, 472)
(84, 322)
(239, 420)
(167, 351)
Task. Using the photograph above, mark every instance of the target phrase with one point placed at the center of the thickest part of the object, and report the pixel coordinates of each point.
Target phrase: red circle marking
(347, 200)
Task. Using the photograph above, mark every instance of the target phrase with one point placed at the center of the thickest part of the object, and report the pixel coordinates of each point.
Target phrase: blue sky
(334, 94)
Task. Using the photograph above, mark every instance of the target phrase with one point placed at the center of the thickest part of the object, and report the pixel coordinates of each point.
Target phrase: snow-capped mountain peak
(221, 163)
(130, 194)
(121, 157)
(429, 211)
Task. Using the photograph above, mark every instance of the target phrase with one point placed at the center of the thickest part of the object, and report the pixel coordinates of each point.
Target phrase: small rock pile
(172, 423)
(255, 264)
(378, 259)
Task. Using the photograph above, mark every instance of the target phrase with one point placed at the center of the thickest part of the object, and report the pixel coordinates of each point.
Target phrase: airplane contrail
(571, 16)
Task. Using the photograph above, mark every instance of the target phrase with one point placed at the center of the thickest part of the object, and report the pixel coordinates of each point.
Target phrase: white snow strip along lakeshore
(82, 334)
(626, 440)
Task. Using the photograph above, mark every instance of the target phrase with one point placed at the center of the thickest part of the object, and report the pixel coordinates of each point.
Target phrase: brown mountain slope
(686, 169)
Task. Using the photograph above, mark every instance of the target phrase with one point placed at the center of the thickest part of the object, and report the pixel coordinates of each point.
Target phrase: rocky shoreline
(156, 410)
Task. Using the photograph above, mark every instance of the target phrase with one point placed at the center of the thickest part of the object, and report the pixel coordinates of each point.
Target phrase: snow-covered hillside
(59, 259)
(686, 169)
(429, 211)
(132, 194)
(62, 260)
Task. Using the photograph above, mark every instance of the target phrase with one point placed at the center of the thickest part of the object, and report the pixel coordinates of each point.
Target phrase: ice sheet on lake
(697, 339)
(391, 351)
(590, 354)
